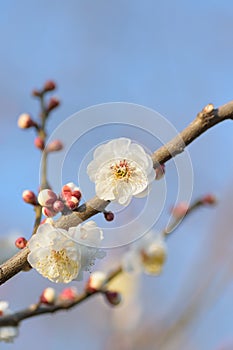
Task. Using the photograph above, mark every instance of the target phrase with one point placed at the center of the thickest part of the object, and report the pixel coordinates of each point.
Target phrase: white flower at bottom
(7, 333)
(121, 169)
(147, 255)
(56, 254)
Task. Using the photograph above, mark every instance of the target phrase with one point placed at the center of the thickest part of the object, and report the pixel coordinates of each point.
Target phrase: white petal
(123, 192)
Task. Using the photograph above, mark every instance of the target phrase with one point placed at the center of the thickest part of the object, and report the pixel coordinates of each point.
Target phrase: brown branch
(205, 120)
(36, 310)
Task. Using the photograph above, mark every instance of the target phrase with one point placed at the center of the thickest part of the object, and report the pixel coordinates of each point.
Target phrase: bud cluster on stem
(52, 203)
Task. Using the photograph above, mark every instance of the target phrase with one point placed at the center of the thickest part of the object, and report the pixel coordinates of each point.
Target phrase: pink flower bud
(49, 86)
(48, 296)
(29, 197)
(180, 210)
(96, 281)
(109, 216)
(46, 198)
(21, 242)
(72, 203)
(160, 172)
(53, 103)
(114, 298)
(68, 294)
(48, 212)
(58, 206)
(39, 143)
(25, 121)
(54, 146)
(209, 199)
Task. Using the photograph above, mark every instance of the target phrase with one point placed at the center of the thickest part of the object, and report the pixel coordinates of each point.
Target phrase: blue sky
(173, 57)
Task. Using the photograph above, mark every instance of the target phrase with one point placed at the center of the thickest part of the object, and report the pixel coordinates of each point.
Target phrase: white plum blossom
(60, 256)
(146, 255)
(120, 170)
(7, 333)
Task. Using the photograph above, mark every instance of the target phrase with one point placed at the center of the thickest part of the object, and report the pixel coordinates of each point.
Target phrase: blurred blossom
(7, 333)
(147, 255)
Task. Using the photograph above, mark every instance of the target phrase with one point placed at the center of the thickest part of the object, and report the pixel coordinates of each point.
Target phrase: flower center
(122, 170)
(58, 266)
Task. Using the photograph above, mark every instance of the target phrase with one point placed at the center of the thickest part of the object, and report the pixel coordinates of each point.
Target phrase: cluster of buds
(25, 121)
(54, 101)
(49, 85)
(71, 195)
(97, 283)
(53, 204)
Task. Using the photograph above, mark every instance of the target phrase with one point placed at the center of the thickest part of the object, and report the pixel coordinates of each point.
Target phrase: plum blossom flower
(61, 255)
(120, 170)
(7, 333)
(147, 255)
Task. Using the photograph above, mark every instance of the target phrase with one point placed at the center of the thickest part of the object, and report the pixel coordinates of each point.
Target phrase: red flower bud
(29, 197)
(21, 242)
(53, 103)
(209, 199)
(72, 203)
(114, 298)
(49, 86)
(39, 143)
(77, 194)
(109, 216)
(36, 93)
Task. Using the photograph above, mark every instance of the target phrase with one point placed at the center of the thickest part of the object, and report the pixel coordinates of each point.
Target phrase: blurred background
(173, 57)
